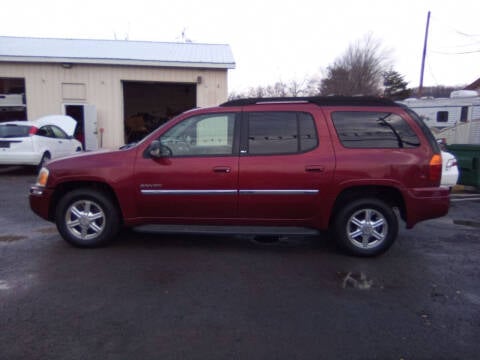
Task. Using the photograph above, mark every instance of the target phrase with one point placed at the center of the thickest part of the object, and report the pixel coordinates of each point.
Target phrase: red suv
(258, 166)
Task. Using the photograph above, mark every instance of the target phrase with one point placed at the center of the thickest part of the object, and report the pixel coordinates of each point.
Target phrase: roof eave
(124, 62)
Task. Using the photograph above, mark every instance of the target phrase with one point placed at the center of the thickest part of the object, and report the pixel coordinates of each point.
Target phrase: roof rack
(318, 100)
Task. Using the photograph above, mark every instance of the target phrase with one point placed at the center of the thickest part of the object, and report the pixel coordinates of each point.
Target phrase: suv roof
(318, 100)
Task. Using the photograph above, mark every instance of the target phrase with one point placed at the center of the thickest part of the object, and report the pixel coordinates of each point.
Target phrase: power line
(464, 45)
(455, 53)
(454, 29)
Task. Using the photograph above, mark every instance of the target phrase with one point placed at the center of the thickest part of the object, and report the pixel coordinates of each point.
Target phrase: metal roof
(116, 52)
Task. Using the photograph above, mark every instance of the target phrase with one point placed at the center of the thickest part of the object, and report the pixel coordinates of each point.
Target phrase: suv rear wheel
(366, 227)
(87, 218)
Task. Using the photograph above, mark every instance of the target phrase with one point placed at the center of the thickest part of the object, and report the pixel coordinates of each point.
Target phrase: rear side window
(13, 131)
(425, 130)
(360, 129)
(58, 133)
(272, 133)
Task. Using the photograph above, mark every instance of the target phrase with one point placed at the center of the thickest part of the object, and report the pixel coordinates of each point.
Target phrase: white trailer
(455, 119)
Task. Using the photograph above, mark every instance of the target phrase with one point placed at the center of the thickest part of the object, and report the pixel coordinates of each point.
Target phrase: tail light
(32, 131)
(435, 168)
(451, 163)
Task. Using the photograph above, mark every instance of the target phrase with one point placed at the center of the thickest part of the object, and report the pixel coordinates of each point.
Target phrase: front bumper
(40, 199)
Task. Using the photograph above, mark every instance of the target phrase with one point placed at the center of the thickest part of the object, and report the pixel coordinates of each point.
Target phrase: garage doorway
(148, 105)
(86, 129)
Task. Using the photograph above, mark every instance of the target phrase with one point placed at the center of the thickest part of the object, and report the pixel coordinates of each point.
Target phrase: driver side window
(205, 135)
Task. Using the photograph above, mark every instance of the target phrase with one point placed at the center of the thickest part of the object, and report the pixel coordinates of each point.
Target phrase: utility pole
(420, 88)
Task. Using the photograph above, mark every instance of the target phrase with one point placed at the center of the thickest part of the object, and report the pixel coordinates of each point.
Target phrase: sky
(274, 40)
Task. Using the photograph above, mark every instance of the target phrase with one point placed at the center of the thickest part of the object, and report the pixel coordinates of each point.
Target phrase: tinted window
(45, 131)
(373, 130)
(11, 131)
(58, 133)
(280, 133)
(201, 136)
(425, 129)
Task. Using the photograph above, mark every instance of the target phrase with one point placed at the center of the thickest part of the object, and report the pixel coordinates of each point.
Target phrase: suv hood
(65, 122)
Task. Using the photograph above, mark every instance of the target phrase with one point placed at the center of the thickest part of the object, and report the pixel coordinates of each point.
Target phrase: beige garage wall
(49, 86)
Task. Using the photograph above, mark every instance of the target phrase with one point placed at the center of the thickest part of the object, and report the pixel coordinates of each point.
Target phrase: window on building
(442, 116)
(464, 114)
(359, 129)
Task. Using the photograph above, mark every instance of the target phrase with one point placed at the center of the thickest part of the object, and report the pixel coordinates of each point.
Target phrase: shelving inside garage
(12, 99)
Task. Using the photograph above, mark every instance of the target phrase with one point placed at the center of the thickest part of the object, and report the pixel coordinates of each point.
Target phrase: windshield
(13, 131)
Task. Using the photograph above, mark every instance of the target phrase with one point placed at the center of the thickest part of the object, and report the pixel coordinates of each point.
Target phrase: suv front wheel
(365, 227)
(87, 218)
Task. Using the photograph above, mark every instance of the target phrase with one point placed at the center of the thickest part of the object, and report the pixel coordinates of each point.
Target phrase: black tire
(365, 227)
(45, 158)
(87, 218)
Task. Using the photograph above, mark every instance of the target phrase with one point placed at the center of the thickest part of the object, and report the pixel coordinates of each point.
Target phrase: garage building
(117, 90)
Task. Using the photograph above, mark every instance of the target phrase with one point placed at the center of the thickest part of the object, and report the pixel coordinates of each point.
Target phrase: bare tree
(294, 88)
(358, 71)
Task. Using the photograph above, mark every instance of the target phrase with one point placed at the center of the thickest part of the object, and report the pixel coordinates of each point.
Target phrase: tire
(87, 218)
(365, 227)
(45, 158)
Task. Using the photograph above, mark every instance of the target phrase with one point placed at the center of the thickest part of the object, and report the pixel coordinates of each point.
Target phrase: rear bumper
(426, 203)
(19, 158)
(40, 199)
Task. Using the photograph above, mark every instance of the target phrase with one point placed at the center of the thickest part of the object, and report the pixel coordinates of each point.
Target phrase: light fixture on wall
(67, 65)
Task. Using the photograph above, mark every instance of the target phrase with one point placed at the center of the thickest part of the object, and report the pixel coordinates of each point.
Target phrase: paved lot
(191, 297)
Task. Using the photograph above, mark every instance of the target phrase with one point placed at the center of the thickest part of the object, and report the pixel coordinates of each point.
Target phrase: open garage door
(147, 105)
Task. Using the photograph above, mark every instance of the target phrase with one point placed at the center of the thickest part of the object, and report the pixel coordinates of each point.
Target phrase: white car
(36, 142)
(449, 170)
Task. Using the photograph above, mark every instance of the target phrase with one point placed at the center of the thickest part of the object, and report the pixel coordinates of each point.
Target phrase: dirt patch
(47, 230)
(11, 238)
(470, 223)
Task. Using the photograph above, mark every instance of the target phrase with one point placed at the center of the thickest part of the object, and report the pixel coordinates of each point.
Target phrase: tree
(395, 86)
(294, 88)
(358, 71)
(437, 91)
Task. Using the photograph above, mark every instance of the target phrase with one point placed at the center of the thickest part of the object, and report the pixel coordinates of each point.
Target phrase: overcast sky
(274, 41)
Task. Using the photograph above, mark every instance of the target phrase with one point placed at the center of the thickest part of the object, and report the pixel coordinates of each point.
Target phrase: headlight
(42, 177)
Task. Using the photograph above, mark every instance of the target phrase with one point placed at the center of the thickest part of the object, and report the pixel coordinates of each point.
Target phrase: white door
(91, 129)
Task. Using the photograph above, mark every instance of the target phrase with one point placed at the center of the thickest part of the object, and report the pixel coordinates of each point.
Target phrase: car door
(45, 141)
(197, 175)
(284, 167)
(61, 141)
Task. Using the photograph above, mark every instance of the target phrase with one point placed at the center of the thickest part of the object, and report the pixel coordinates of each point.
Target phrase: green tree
(395, 86)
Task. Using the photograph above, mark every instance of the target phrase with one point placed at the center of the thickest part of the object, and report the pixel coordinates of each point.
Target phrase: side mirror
(156, 150)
